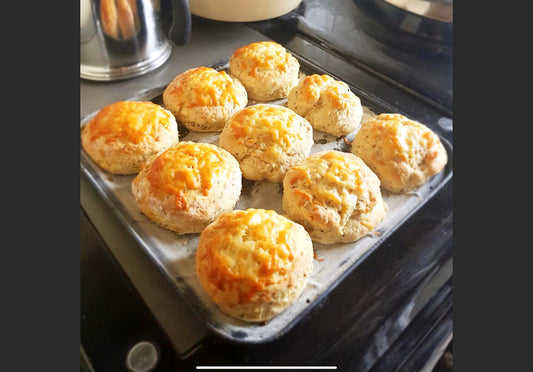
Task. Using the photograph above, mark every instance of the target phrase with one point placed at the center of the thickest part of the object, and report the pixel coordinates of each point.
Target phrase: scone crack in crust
(334, 195)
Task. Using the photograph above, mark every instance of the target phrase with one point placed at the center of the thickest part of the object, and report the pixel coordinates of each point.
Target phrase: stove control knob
(446, 124)
(142, 357)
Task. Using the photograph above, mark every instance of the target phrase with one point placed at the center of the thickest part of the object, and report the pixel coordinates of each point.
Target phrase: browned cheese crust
(202, 98)
(267, 140)
(402, 152)
(328, 104)
(254, 263)
(187, 186)
(335, 196)
(266, 69)
(122, 136)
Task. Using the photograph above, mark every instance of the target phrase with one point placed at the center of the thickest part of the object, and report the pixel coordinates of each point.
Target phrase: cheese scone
(267, 140)
(202, 98)
(124, 135)
(266, 69)
(402, 152)
(187, 186)
(334, 195)
(254, 263)
(328, 104)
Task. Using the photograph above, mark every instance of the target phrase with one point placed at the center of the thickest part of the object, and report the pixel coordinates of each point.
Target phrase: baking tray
(174, 254)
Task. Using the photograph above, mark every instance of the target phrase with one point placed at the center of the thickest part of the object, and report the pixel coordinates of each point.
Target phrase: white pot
(242, 10)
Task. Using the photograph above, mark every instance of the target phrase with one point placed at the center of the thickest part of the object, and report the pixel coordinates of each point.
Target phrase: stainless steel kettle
(120, 39)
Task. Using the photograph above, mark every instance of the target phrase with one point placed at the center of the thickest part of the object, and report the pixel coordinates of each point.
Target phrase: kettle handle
(180, 30)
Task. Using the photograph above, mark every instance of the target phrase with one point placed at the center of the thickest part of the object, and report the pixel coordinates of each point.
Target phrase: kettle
(120, 39)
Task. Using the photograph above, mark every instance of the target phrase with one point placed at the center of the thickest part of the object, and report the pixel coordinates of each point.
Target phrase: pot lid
(440, 10)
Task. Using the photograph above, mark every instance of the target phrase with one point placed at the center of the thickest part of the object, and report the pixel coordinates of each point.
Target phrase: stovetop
(395, 310)
(399, 47)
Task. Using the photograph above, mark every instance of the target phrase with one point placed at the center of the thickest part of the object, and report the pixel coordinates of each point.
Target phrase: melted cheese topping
(263, 55)
(187, 166)
(313, 86)
(204, 86)
(330, 179)
(276, 125)
(249, 249)
(130, 121)
(403, 138)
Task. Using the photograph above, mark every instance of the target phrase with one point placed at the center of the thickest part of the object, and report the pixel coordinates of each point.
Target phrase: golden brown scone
(202, 98)
(266, 69)
(334, 195)
(402, 152)
(328, 104)
(254, 263)
(267, 140)
(187, 186)
(125, 134)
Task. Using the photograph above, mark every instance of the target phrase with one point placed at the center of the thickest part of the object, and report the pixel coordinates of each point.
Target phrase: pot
(242, 10)
(120, 39)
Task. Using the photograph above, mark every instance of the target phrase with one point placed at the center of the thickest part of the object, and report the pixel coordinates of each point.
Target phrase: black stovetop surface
(410, 51)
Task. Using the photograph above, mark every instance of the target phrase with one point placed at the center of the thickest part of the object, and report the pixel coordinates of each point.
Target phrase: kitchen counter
(366, 323)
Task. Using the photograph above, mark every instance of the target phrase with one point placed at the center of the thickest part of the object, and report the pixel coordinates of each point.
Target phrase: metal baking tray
(174, 254)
